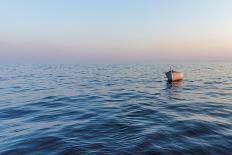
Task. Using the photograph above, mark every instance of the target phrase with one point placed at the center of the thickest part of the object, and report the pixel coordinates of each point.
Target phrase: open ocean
(115, 109)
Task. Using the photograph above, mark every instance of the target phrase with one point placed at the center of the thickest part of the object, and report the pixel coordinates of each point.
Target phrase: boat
(174, 75)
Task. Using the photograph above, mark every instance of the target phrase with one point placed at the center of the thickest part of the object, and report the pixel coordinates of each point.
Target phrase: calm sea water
(115, 109)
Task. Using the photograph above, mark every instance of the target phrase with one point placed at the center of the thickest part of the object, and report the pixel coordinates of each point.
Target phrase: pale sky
(108, 31)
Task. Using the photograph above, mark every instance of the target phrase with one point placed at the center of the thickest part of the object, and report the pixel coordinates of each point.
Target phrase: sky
(115, 31)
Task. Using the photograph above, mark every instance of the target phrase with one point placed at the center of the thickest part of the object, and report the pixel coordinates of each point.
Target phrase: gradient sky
(92, 31)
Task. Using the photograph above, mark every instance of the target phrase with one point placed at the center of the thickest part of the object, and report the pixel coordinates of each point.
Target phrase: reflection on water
(121, 109)
(173, 90)
(174, 84)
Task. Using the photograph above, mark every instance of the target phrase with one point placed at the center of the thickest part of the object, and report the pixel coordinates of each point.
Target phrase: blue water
(115, 109)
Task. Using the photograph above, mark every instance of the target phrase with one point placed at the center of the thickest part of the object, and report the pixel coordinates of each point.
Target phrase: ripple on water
(115, 109)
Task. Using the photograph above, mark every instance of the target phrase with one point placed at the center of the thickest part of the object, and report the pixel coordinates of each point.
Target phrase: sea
(62, 109)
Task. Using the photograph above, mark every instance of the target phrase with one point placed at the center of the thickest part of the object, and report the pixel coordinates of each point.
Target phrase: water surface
(115, 109)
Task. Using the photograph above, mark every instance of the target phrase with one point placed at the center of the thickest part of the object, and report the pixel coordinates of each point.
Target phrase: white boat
(174, 75)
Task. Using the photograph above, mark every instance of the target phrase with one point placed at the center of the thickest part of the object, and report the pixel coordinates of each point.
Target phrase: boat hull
(174, 76)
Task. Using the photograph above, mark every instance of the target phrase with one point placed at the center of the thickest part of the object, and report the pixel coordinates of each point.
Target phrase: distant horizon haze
(117, 31)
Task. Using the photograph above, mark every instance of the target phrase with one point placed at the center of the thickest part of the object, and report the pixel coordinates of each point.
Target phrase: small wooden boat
(174, 75)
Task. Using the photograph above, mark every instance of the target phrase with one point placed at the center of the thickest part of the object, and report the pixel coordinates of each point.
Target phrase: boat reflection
(174, 90)
(175, 84)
